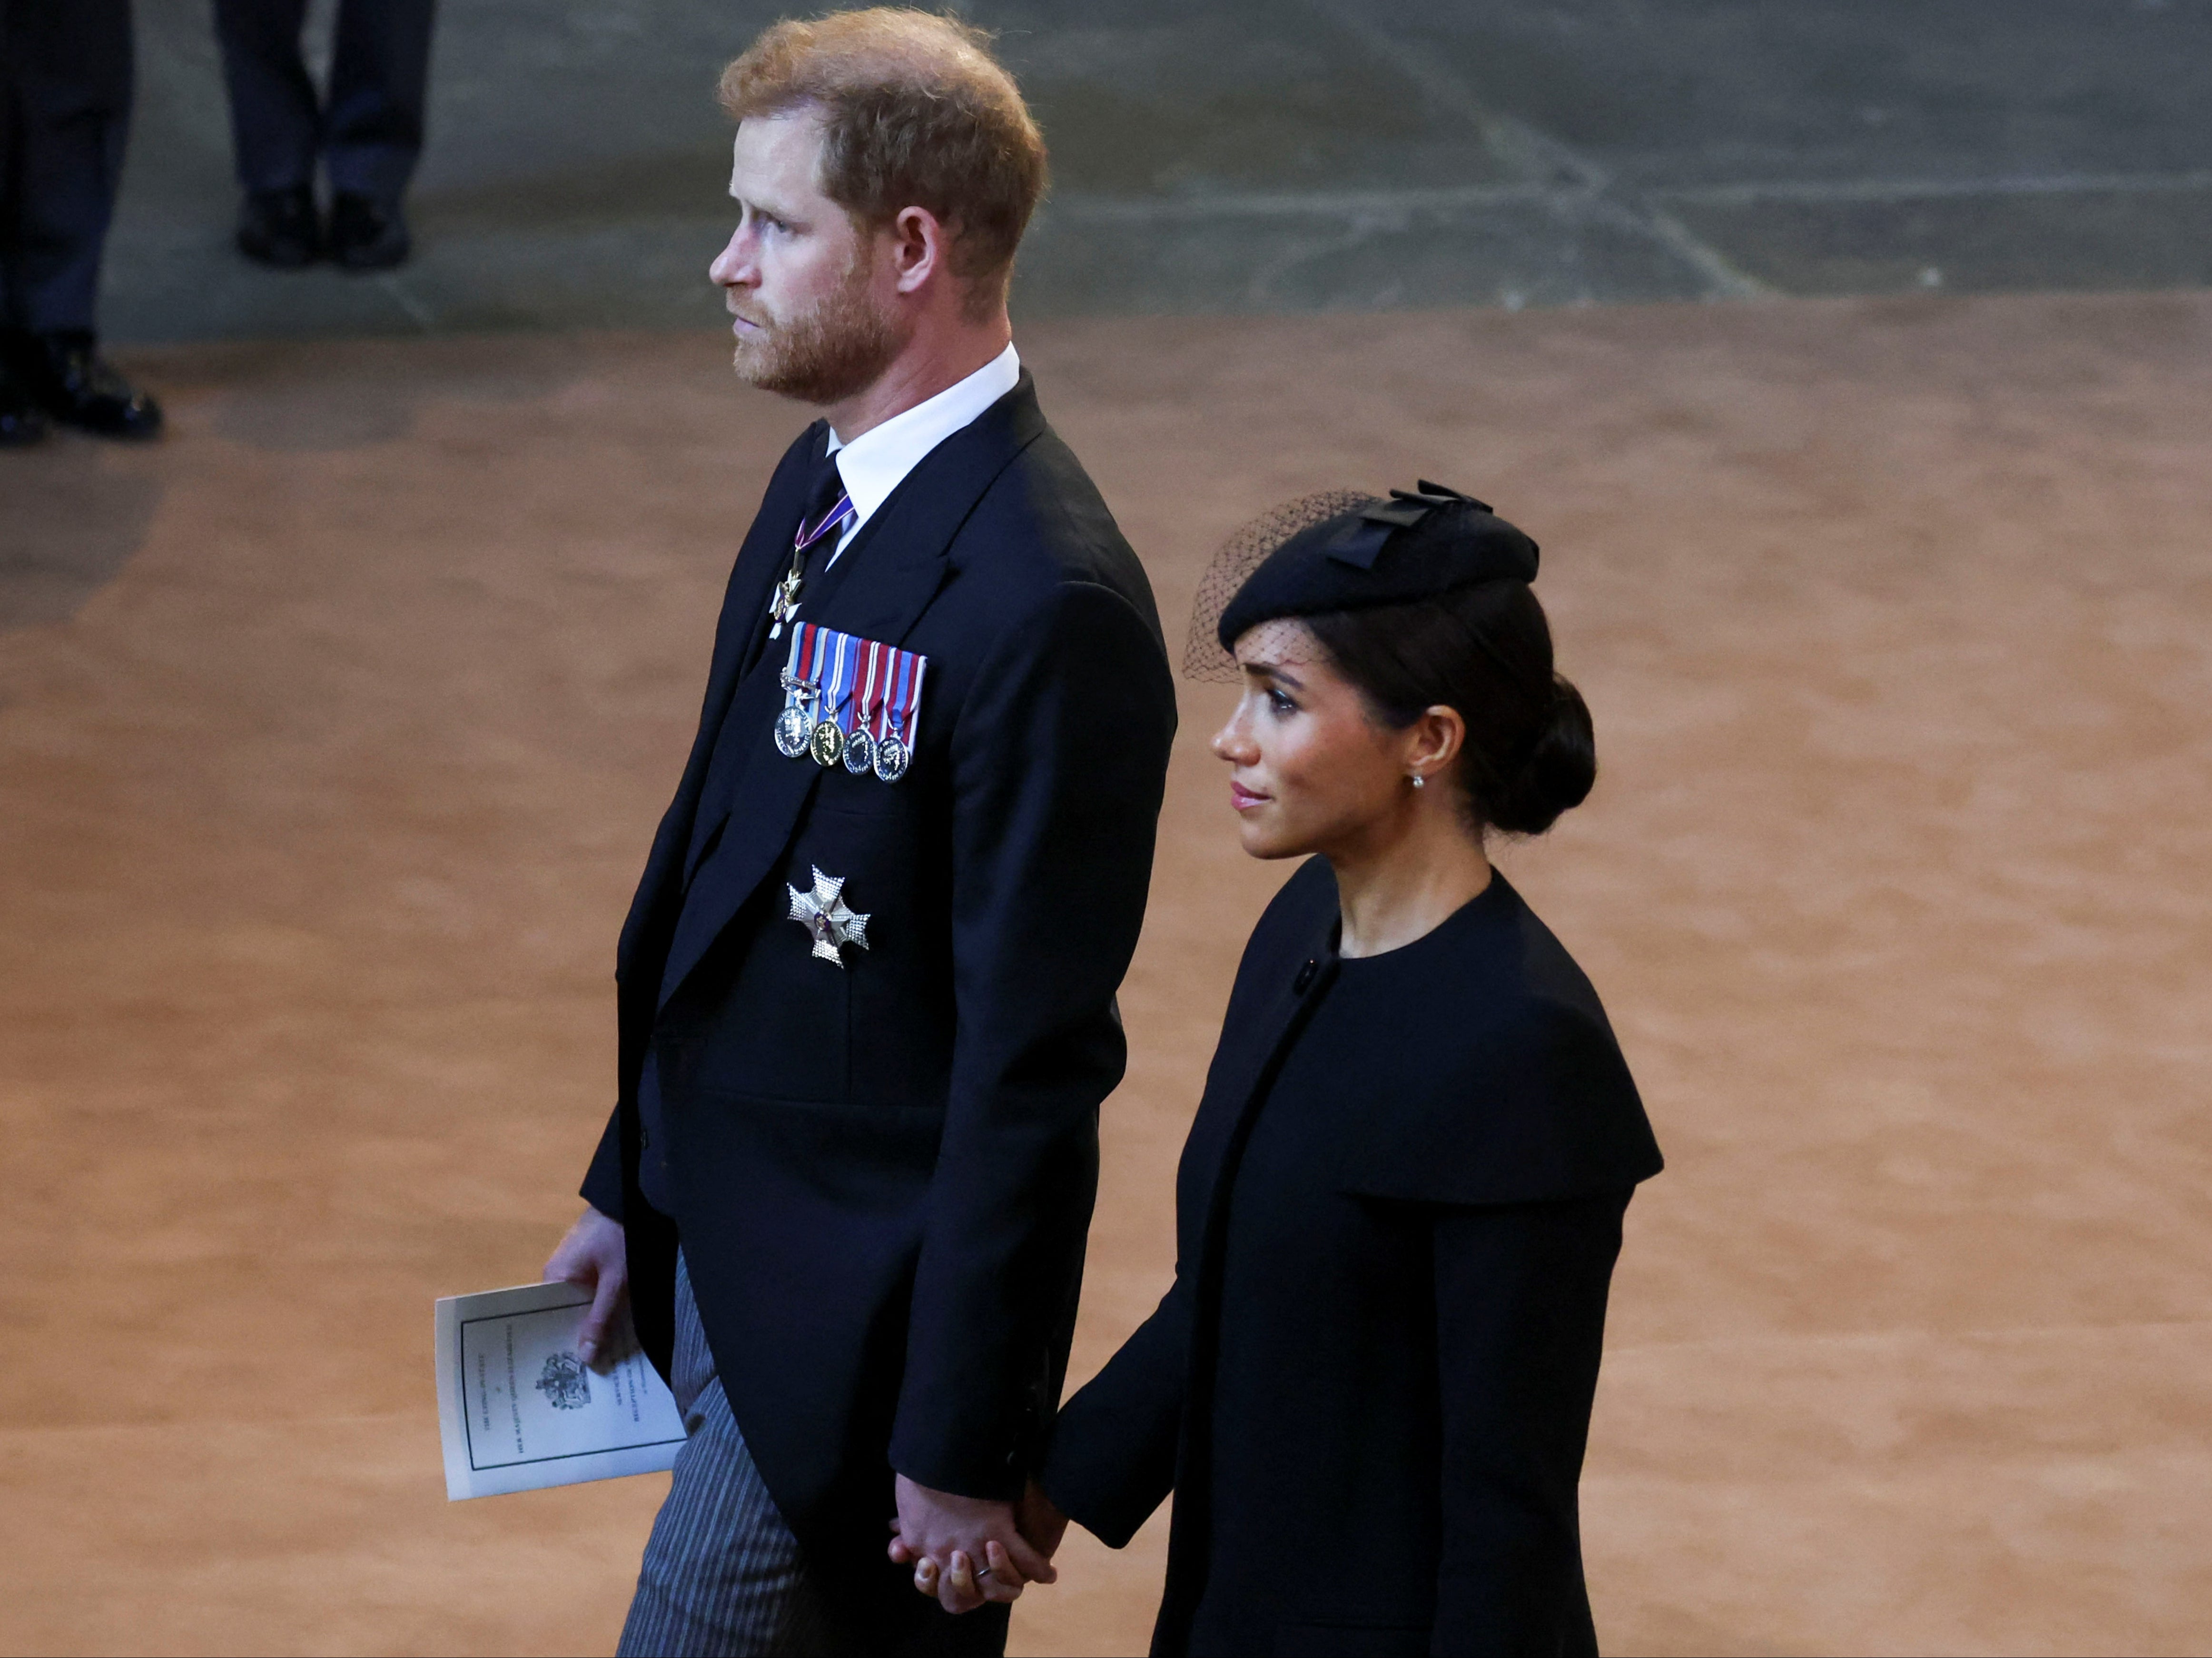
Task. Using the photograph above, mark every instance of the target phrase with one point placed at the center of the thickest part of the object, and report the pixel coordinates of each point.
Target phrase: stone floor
(1277, 156)
(332, 731)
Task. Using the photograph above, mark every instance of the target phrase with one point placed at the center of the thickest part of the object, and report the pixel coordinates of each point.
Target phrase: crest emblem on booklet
(566, 1383)
(849, 701)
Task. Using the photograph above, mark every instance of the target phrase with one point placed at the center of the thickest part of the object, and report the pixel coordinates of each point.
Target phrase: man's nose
(732, 267)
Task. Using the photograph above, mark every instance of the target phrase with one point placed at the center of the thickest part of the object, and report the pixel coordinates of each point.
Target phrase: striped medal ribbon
(841, 654)
(897, 714)
(783, 604)
(801, 690)
(850, 700)
(860, 743)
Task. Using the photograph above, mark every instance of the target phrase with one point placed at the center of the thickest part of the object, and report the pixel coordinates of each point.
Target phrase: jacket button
(1305, 979)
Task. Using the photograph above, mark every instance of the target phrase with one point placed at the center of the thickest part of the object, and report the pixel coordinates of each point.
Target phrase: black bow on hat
(1361, 543)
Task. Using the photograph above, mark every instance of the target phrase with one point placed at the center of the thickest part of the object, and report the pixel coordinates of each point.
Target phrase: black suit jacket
(1369, 1387)
(882, 1174)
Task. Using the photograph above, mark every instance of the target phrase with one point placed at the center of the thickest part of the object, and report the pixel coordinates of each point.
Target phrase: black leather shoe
(21, 420)
(281, 228)
(365, 234)
(78, 386)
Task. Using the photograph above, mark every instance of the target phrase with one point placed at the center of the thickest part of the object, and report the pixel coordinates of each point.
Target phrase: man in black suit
(65, 72)
(368, 132)
(866, 985)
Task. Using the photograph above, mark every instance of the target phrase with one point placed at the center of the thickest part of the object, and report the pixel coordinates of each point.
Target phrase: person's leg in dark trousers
(67, 72)
(373, 134)
(276, 128)
(276, 120)
(368, 131)
(65, 85)
(21, 420)
(379, 85)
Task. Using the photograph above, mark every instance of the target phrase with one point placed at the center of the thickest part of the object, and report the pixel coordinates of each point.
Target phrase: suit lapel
(887, 578)
(759, 562)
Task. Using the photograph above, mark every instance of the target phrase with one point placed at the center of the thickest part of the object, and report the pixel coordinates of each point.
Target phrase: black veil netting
(1233, 563)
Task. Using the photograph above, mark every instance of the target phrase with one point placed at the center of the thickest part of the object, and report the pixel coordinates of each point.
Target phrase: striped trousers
(722, 1573)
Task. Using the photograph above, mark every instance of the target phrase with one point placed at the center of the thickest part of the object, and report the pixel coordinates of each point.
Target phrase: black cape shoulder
(1496, 1078)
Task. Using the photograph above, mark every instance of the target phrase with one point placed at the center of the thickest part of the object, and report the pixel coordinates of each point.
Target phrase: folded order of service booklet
(518, 1410)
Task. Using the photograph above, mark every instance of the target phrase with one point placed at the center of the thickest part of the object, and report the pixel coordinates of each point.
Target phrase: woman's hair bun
(1560, 767)
(1485, 650)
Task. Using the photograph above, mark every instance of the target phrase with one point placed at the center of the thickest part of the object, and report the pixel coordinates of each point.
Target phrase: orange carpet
(333, 729)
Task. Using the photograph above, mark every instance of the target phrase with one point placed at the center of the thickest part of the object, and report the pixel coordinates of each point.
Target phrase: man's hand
(593, 1255)
(965, 1550)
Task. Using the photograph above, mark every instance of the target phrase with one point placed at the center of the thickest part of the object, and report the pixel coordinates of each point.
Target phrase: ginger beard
(838, 346)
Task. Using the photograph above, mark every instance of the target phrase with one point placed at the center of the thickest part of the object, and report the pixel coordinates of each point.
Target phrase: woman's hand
(963, 1588)
(965, 1551)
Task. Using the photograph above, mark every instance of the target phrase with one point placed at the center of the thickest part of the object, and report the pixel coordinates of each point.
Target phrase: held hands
(593, 1255)
(967, 1551)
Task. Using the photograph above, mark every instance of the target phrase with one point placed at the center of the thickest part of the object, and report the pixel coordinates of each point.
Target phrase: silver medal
(891, 758)
(792, 727)
(826, 916)
(791, 730)
(860, 751)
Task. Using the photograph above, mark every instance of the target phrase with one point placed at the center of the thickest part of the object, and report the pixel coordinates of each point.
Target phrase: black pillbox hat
(1417, 545)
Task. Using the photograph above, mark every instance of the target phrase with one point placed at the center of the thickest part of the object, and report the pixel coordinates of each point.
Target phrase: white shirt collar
(877, 461)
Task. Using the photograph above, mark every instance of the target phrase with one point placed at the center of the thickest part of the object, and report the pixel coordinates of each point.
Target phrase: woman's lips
(1244, 799)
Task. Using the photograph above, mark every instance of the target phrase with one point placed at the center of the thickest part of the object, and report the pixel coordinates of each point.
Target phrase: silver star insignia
(823, 913)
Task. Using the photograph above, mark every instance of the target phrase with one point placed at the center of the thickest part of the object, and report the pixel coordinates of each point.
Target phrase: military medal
(783, 602)
(791, 724)
(801, 679)
(902, 705)
(849, 701)
(892, 757)
(860, 747)
(839, 653)
(823, 911)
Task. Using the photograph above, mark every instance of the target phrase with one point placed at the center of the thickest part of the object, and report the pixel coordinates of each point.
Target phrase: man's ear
(918, 247)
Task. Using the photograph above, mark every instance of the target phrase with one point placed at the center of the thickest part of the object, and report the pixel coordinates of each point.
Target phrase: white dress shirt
(877, 461)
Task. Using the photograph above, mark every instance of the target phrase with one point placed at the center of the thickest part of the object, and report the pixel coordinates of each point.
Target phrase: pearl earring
(1419, 781)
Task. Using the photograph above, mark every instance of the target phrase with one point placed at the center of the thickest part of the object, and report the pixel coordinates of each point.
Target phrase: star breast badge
(823, 913)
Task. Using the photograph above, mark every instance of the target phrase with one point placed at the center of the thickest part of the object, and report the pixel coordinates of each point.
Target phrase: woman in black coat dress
(1400, 1201)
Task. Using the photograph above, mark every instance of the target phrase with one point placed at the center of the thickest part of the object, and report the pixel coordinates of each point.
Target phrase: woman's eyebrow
(1274, 670)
